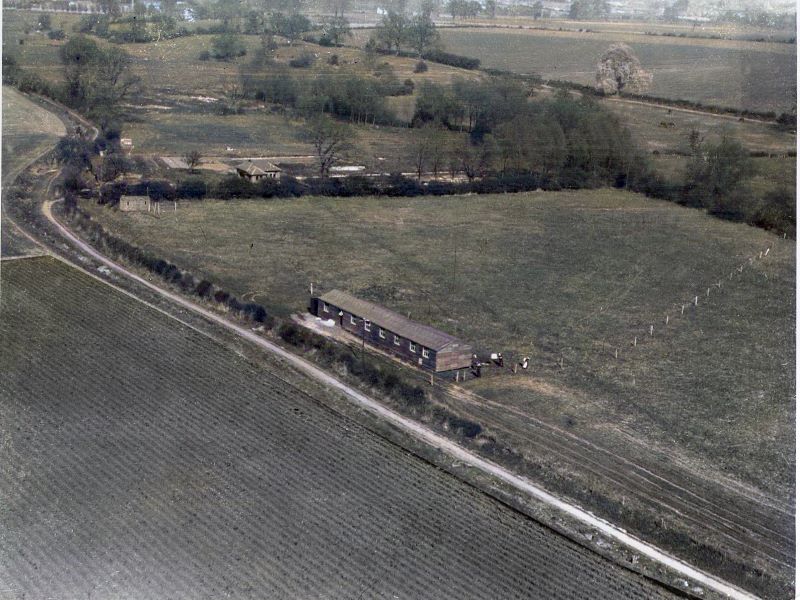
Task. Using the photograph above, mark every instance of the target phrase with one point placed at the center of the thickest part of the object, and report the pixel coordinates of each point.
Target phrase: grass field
(756, 76)
(571, 274)
(170, 466)
(28, 130)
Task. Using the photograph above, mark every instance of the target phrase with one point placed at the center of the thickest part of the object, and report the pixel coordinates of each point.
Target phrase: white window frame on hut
(353, 320)
(412, 347)
(367, 325)
(397, 340)
(325, 307)
(425, 353)
(381, 333)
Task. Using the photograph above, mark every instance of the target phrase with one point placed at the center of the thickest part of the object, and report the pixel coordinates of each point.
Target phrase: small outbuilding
(135, 203)
(422, 345)
(254, 172)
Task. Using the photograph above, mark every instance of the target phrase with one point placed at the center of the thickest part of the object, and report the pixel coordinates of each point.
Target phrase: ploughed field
(747, 75)
(145, 460)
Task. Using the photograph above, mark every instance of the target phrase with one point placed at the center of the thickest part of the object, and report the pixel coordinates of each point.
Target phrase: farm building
(420, 344)
(134, 203)
(254, 172)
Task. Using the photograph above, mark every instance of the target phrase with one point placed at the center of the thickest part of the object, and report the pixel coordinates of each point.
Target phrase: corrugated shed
(427, 336)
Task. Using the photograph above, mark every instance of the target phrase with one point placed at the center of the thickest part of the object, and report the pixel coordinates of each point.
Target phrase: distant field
(170, 466)
(757, 76)
(571, 274)
(173, 67)
(665, 129)
(725, 30)
(259, 133)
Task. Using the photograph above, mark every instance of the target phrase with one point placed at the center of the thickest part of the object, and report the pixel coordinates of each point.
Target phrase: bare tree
(330, 141)
(425, 150)
(192, 159)
(620, 70)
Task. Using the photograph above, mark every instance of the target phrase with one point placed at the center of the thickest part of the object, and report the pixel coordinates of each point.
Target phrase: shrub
(56, 34)
(333, 59)
(205, 55)
(421, 67)
(204, 289)
(234, 186)
(227, 46)
(454, 60)
(193, 188)
(304, 60)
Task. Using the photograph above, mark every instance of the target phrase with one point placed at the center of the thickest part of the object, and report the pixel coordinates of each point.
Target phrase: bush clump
(302, 61)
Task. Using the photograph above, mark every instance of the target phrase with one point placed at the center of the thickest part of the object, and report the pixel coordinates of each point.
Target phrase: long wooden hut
(425, 346)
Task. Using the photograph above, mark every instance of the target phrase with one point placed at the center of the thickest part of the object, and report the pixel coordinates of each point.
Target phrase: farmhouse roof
(425, 335)
(249, 168)
(267, 166)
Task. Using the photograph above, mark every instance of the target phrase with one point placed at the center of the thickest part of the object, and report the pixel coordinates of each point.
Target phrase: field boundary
(418, 431)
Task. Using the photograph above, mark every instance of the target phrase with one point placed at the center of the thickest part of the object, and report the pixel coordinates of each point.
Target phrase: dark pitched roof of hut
(265, 165)
(424, 335)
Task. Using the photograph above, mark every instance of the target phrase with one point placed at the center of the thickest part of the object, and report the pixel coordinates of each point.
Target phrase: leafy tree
(491, 8)
(330, 141)
(619, 70)
(538, 9)
(291, 27)
(97, 80)
(421, 34)
(335, 30)
(44, 21)
(75, 152)
(463, 8)
(254, 22)
(114, 165)
(531, 143)
(392, 30)
(589, 9)
(475, 159)
(717, 170)
(438, 104)
(227, 46)
(110, 8)
(79, 57)
(227, 11)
